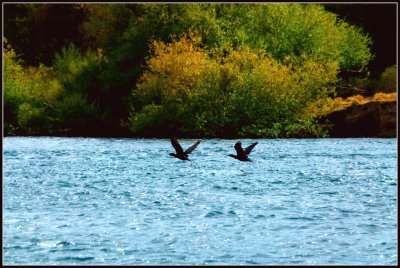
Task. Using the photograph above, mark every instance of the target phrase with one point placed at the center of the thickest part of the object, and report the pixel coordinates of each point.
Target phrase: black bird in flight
(243, 155)
(183, 155)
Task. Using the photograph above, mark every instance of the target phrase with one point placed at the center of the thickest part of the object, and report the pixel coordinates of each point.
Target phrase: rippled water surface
(126, 201)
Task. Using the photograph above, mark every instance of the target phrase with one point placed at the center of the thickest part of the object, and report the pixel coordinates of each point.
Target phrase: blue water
(126, 201)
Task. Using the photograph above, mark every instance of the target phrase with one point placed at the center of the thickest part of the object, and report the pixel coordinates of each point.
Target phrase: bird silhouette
(241, 154)
(183, 155)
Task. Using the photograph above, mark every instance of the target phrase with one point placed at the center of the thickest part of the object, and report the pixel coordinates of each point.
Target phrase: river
(126, 201)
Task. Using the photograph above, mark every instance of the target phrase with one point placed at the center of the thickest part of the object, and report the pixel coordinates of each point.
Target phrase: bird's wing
(191, 148)
(239, 149)
(249, 148)
(177, 146)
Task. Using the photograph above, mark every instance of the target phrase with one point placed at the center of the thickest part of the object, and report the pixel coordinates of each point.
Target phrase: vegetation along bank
(196, 70)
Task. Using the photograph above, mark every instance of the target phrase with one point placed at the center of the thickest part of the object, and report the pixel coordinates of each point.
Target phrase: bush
(13, 91)
(76, 114)
(238, 93)
(149, 121)
(388, 80)
(31, 119)
(304, 29)
(29, 95)
(87, 105)
(171, 81)
(73, 69)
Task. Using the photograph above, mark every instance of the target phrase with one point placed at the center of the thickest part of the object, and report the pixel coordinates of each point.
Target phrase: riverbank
(372, 118)
(352, 117)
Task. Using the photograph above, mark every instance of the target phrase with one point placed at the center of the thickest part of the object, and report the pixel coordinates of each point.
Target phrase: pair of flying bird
(242, 155)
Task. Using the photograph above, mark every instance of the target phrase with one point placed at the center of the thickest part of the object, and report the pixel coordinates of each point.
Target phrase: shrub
(13, 91)
(148, 121)
(86, 92)
(29, 95)
(31, 119)
(239, 93)
(75, 113)
(388, 80)
(297, 29)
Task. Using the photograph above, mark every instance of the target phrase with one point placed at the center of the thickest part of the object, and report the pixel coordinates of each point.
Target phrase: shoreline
(372, 119)
(193, 138)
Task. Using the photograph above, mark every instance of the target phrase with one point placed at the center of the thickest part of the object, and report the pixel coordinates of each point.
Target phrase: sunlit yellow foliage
(243, 59)
(284, 86)
(28, 90)
(12, 69)
(175, 69)
(28, 82)
(240, 92)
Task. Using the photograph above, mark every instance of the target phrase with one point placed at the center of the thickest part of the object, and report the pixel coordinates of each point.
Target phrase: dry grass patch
(326, 106)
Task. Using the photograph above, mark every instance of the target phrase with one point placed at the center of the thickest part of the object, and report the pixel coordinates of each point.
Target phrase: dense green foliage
(156, 70)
